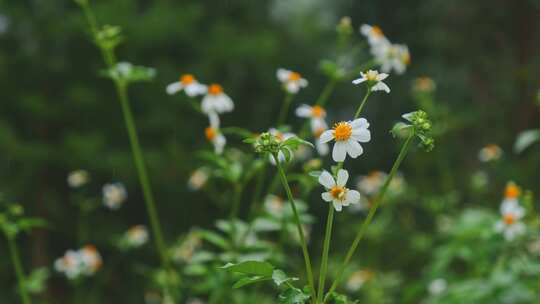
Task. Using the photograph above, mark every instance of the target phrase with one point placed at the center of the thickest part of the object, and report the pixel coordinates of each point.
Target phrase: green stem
(359, 110)
(326, 249)
(303, 243)
(284, 109)
(372, 210)
(234, 211)
(141, 171)
(18, 270)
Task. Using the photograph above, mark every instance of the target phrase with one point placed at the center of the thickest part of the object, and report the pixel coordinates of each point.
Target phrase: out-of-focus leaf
(251, 267)
(525, 139)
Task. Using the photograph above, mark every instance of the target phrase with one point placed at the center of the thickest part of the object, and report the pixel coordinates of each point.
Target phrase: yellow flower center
(215, 89)
(376, 31)
(509, 219)
(511, 191)
(338, 192)
(294, 76)
(342, 131)
(210, 133)
(406, 57)
(279, 136)
(187, 79)
(317, 111)
(371, 75)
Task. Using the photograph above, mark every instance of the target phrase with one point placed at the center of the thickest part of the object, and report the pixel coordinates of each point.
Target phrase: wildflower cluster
(510, 224)
(390, 56)
(78, 263)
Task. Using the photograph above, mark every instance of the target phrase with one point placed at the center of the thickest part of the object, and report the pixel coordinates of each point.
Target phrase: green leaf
(525, 139)
(215, 239)
(258, 268)
(36, 281)
(293, 296)
(280, 277)
(294, 142)
(315, 173)
(250, 280)
(27, 224)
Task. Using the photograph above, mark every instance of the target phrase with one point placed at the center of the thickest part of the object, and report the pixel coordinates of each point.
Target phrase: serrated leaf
(293, 296)
(258, 268)
(280, 277)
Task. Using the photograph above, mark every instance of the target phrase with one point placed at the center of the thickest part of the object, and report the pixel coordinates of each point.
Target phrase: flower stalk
(17, 265)
(303, 242)
(284, 108)
(361, 231)
(326, 249)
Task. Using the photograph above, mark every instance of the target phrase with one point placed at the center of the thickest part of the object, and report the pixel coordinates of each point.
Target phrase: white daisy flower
(358, 279)
(374, 34)
(70, 264)
(337, 193)
(274, 205)
(437, 286)
(215, 101)
(347, 134)
(216, 138)
(371, 184)
(280, 136)
(510, 225)
(393, 57)
(188, 84)
(424, 84)
(490, 153)
(78, 178)
(292, 81)
(137, 236)
(91, 259)
(375, 79)
(114, 195)
(315, 113)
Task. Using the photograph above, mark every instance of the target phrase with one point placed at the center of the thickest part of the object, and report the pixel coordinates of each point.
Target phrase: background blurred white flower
(114, 195)
(78, 178)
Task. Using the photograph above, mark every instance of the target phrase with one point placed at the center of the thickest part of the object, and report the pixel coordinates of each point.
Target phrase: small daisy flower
(374, 35)
(198, 179)
(424, 84)
(114, 195)
(374, 80)
(393, 57)
(280, 136)
(511, 191)
(274, 204)
(510, 225)
(337, 193)
(188, 84)
(70, 264)
(215, 101)
(216, 138)
(490, 153)
(91, 259)
(315, 113)
(371, 184)
(347, 135)
(292, 81)
(358, 279)
(137, 236)
(78, 178)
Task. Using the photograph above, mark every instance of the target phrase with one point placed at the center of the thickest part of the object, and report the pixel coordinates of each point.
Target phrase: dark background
(58, 114)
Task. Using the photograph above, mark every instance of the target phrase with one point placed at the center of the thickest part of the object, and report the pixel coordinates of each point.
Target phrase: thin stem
(284, 109)
(303, 243)
(326, 249)
(359, 110)
(141, 171)
(237, 192)
(369, 218)
(18, 270)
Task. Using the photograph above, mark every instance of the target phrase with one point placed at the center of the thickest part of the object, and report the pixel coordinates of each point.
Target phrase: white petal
(318, 124)
(195, 89)
(219, 143)
(342, 177)
(283, 74)
(361, 135)
(303, 111)
(303, 83)
(360, 123)
(326, 180)
(354, 149)
(322, 148)
(326, 196)
(337, 205)
(326, 136)
(214, 120)
(365, 29)
(174, 88)
(352, 197)
(292, 87)
(339, 151)
(380, 86)
(382, 76)
(359, 80)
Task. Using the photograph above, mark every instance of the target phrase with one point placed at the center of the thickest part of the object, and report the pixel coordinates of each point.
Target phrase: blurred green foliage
(59, 114)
